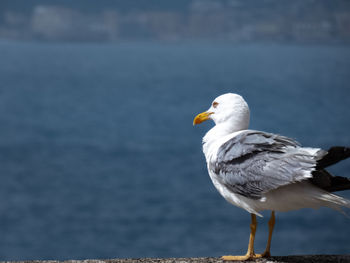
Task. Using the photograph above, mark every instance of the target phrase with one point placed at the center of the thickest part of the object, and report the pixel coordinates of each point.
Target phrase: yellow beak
(202, 117)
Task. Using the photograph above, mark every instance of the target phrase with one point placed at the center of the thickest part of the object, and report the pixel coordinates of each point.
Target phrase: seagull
(258, 171)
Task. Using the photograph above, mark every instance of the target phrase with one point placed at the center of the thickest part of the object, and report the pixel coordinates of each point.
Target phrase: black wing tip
(328, 182)
(334, 154)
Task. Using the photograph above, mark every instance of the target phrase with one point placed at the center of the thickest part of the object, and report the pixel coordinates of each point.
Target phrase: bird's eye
(215, 104)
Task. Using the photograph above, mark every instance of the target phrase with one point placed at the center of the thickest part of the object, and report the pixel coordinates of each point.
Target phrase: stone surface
(284, 259)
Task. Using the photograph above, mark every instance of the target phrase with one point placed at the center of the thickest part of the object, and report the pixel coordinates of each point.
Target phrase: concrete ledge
(284, 259)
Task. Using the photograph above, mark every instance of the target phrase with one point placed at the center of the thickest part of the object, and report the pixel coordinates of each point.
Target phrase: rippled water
(99, 158)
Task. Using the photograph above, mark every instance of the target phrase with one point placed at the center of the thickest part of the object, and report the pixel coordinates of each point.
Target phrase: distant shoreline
(232, 21)
(209, 42)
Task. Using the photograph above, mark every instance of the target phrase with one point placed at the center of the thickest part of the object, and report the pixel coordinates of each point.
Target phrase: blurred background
(98, 155)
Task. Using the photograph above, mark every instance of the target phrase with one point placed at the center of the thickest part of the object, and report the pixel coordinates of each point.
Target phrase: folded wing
(254, 162)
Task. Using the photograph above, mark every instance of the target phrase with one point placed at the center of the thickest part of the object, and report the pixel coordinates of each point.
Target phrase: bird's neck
(219, 132)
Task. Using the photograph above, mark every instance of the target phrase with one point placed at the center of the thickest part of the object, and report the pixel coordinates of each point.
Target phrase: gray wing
(254, 162)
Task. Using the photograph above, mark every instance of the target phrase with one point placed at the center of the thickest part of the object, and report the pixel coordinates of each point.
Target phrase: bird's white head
(229, 109)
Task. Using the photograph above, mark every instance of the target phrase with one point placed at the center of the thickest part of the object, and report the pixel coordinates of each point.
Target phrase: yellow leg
(271, 226)
(250, 253)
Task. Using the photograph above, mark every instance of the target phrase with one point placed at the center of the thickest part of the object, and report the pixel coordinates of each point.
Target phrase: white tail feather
(297, 196)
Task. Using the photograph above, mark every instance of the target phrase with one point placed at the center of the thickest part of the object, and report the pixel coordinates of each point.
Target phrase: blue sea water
(99, 158)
